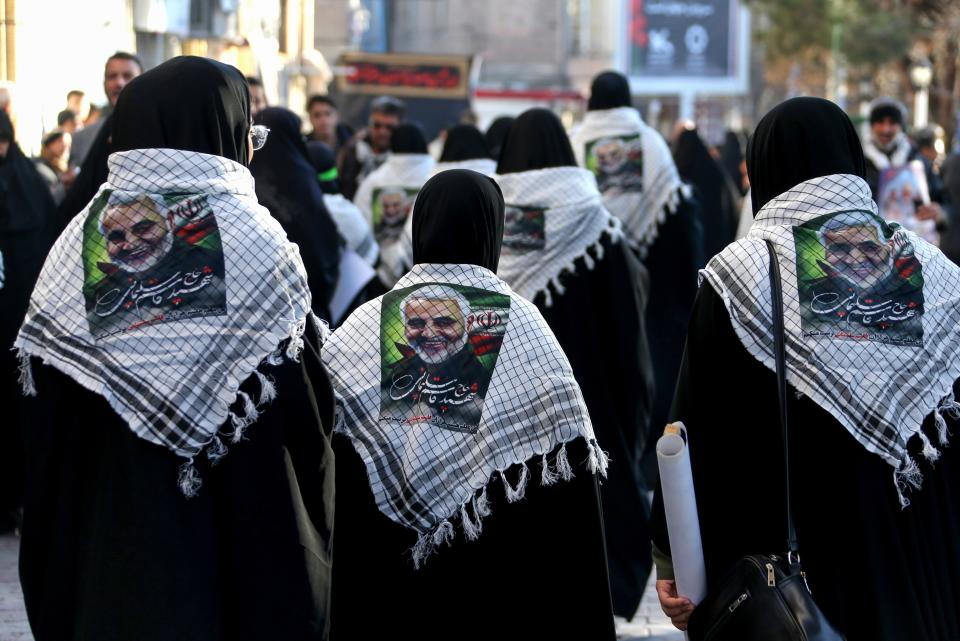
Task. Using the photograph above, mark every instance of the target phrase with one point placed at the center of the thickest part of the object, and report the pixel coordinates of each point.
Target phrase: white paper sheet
(355, 273)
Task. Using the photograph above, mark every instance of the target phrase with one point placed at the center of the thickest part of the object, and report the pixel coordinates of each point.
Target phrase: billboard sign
(698, 43)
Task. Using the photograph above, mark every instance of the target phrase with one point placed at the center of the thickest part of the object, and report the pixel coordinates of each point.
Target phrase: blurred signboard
(405, 75)
(676, 45)
(437, 90)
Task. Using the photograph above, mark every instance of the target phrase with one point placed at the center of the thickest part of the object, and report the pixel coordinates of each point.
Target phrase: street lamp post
(921, 75)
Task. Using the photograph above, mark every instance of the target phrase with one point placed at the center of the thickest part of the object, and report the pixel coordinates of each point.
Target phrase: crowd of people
(233, 335)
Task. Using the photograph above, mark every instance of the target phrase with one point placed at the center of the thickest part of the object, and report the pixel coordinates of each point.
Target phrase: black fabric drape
(673, 262)
(536, 140)
(731, 157)
(609, 90)
(213, 117)
(408, 138)
(458, 219)
(718, 202)
(800, 139)
(28, 228)
(537, 571)
(496, 133)
(878, 572)
(464, 142)
(112, 550)
(287, 186)
(599, 322)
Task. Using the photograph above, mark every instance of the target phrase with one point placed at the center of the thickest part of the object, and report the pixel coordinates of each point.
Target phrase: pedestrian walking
(870, 398)
(463, 508)
(177, 449)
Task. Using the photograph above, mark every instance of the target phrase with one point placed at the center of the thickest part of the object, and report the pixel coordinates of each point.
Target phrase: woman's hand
(678, 608)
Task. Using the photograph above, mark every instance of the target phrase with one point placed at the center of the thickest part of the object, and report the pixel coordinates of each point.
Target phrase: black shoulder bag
(766, 597)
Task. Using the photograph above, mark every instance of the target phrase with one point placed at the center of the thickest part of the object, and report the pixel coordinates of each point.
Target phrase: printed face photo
(137, 235)
(858, 279)
(393, 205)
(439, 346)
(611, 155)
(151, 259)
(617, 163)
(857, 254)
(435, 329)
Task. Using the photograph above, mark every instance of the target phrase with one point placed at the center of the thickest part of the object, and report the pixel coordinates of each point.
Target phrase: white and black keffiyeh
(443, 384)
(401, 253)
(485, 166)
(386, 199)
(634, 170)
(871, 314)
(165, 294)
(553, 216)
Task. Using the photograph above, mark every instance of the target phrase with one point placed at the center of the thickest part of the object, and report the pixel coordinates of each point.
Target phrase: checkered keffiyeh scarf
(553, 217)
(871, 314)
(435, 421)
(164, 294)
(400, 174)
(641, 208)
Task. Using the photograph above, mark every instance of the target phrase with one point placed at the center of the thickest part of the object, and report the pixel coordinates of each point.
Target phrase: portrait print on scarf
(439, 346)
(858, 279)
(450, 379)
(151, 258)
(179, 207)
(391, 208)
(617, 162)
(524, 228)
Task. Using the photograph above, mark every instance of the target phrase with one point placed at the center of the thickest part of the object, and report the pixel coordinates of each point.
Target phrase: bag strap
(776, 299)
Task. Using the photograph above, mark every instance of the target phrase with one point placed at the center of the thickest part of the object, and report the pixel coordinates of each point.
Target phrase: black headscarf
(609, 91)
(213, 117)
(324, 161)
(797, 140)
(464, 142)
(408, 138)
(731, 155)
(287, 185)
(28, 228)
(25, 200)
(458, 219)
(719, 207)
(497, 133)
(537, 140)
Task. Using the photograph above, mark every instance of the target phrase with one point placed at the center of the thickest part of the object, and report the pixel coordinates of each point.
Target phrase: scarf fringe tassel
(908, 476)
(553, 285)
(27, 385)
(472, 511)
(649, 235)
(189, 479)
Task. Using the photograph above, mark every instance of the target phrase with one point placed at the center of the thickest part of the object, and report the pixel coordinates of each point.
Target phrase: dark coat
(878, 572)
(537, 571)
(599, 322)
(112, 550)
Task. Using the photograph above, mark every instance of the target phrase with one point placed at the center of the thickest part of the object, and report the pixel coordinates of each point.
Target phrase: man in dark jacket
(368, 149)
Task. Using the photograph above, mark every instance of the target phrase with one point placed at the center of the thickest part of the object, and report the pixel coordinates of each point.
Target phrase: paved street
(649, 624)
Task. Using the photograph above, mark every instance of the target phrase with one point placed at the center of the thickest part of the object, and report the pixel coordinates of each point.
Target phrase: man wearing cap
(888, 146)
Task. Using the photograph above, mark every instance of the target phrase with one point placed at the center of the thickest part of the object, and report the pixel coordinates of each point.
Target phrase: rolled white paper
(680, 508)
